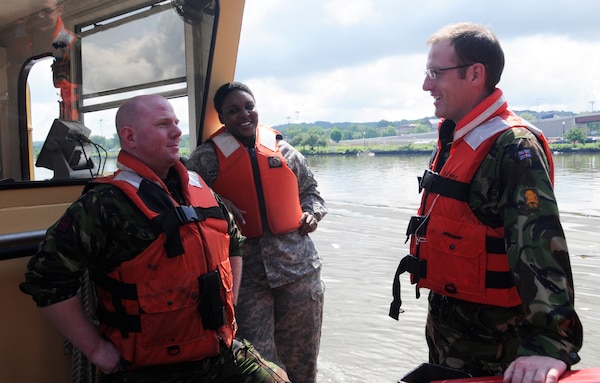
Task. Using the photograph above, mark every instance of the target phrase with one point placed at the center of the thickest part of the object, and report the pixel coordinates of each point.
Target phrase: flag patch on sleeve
(525, 153)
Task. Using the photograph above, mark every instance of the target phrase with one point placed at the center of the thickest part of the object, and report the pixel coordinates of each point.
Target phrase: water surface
(362, 239)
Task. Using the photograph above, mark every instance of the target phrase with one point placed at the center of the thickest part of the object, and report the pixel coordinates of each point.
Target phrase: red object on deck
(587, 375)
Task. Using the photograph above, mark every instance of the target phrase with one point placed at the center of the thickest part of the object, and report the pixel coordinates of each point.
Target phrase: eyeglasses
(433, 73)
(47, 12)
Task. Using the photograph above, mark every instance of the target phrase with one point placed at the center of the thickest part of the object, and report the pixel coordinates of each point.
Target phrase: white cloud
(368, 65)
(388, 89)
(551, 73)
(363, 60)
(350, 12)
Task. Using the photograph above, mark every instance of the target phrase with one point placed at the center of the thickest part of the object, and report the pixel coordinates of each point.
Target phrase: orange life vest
(452, 252)
(149, 306)
(259, 181)
(465, 258)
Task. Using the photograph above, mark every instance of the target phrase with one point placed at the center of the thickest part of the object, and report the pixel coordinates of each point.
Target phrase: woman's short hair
(227, 88)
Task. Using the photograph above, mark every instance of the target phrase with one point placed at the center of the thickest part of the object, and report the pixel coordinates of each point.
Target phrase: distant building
(433, 123)
(555, 126)
(404, 128)
(558, 126)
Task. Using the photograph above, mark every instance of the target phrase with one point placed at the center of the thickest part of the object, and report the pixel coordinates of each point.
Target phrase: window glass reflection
(147, 50)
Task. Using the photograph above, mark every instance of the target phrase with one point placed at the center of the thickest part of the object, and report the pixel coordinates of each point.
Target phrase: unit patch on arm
(531, 199)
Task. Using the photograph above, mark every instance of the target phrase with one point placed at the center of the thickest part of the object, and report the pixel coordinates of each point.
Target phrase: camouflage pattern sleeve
(236, 239)
(204, 161)
(310, 198)
(101, 228)
(536, 245)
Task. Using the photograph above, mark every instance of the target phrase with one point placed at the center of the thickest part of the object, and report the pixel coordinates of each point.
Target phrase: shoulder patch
(64, 224)
(531, 199)
(524, 153)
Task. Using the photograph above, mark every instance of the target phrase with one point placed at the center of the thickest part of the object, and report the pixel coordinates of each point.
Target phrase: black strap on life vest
(126, 323)
(435, 183)
(417, 225)
(172, 217)
(170, 221)
(118, 290)
(418, 268)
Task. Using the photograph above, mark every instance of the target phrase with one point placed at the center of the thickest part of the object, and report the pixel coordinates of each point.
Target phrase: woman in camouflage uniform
(273, 194)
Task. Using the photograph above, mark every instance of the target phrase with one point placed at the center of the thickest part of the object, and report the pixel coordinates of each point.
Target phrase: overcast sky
(363, 60)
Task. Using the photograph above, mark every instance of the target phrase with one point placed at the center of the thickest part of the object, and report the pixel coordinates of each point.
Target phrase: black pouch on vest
(211, 307)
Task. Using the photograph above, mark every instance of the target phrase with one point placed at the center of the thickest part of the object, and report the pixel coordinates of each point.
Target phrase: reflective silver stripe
(130, 177)
(484, 131)
(268, 138)
(226, 143)
(194, 179)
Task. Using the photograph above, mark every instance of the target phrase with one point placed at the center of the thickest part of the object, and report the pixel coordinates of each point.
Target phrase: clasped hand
(308, 223)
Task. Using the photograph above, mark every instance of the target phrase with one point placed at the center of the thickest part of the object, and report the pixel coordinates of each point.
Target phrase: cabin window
(128, 55)
(69, 82)
(142, 52)
(43, 100)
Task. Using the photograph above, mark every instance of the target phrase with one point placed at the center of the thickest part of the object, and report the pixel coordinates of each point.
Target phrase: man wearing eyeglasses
(487, 241)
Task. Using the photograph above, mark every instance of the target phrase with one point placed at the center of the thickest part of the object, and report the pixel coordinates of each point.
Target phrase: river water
(361, 241)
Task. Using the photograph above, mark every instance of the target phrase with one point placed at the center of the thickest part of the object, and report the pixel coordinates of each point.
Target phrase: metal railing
(21, 244)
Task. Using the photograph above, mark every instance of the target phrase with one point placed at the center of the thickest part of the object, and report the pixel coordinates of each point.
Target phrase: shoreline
(412, 152)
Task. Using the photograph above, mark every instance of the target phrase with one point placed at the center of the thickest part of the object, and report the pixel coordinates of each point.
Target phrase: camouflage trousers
(479, 339)
(284, 323)
(240, 364)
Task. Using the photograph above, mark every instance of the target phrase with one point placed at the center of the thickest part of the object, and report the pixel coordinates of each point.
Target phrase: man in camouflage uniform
(489, 196)
(280, 306)
(104, 229)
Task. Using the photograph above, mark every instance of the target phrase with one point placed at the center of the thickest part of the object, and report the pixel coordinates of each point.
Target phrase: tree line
(320, 134)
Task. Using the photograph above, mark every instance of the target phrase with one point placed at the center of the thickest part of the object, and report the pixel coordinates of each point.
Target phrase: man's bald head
(130, 110)
(148, 130)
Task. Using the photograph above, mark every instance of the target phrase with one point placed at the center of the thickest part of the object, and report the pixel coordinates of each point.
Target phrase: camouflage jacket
(286, 257)
(512, 188)
(102, 228)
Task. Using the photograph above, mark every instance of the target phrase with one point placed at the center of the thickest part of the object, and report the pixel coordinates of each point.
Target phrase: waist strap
(168, 222)
(434, 183)
(418, 269)
(119, 290)
(417, 225)
(126, 323)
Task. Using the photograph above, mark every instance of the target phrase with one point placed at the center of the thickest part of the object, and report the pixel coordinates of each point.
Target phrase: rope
(82, 371)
